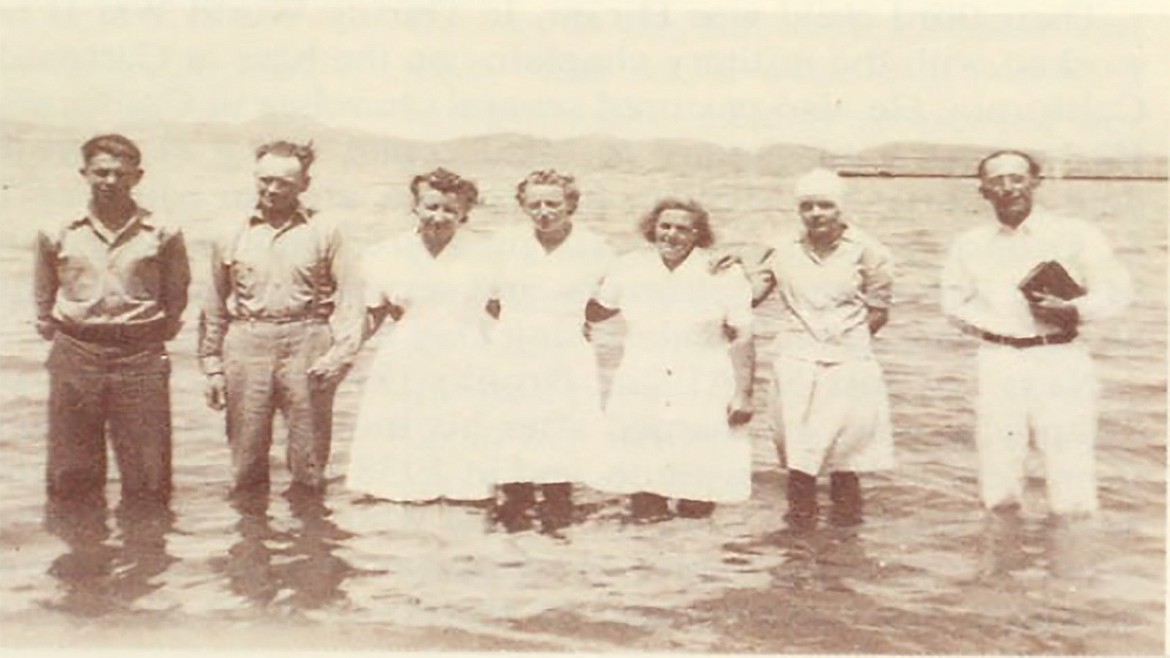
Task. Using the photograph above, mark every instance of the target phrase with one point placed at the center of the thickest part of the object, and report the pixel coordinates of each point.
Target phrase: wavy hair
(564, 181)
(705, 237)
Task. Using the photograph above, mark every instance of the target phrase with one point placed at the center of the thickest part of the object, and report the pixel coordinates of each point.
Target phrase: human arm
(213, 320)
(176, 281)
(877, 285)
(737, 326)
(743, 361)
(349, 321)
(958, 293)
(606, 302)
(1107, 283)
(45, 284)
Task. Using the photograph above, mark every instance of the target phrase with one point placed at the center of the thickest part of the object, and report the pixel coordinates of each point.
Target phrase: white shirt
(826, 298)
(986, 264)
(547, 291)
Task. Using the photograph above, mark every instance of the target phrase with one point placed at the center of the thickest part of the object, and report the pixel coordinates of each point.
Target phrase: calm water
(924, 574)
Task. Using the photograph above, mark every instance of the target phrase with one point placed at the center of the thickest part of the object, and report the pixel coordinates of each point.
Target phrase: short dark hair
(304, 153)
(119, 146)
(551, 177)
(1033, 163)
(705, 238)
(447, 182)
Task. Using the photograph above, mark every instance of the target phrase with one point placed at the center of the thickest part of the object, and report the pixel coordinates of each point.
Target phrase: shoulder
(328, 224)
(507, 237)
(395, 244)
(167, 229)
(638, 259)
(1057, 221)
(975, 236)
(868, 243)
(56, 233)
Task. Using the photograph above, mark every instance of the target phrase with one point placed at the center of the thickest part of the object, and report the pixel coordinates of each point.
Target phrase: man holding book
(1023, 286)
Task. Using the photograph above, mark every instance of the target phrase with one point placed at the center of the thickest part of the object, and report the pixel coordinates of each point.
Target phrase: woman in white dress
(547, 270)
(420, 430)
(684, 384)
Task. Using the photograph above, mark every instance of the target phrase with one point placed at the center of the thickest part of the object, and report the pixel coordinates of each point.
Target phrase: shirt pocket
(144, 278)
(245, 277)
(80, 279)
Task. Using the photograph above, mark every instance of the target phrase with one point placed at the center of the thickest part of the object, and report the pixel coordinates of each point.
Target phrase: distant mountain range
(599, 151)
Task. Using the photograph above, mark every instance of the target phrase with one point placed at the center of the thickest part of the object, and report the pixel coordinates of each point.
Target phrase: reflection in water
(299, 565)
(1063, 547)
(98, 576)
(1001, 546)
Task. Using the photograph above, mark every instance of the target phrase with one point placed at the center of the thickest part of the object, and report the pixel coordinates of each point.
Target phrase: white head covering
(821, 183)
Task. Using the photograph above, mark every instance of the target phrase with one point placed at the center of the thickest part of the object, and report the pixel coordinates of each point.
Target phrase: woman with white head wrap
(829, 400)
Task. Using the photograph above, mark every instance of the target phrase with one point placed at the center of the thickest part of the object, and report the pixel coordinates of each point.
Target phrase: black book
(1050, 278)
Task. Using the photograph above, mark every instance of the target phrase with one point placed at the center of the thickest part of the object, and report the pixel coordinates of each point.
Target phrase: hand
(47, 329)
(739, 410)
(876, 318)
(174, 326)
(1054, 310)
(324, 373)
(723, 262)
(215, 391)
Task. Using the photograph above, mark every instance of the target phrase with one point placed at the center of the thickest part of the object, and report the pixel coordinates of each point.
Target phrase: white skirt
(832, 417)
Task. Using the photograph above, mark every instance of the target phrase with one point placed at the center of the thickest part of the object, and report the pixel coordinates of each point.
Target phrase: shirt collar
(1026, 227)
(801, 238)
(299, 215)
(141, 216)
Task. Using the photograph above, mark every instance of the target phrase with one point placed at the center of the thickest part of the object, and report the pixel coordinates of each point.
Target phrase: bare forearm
(743, 362)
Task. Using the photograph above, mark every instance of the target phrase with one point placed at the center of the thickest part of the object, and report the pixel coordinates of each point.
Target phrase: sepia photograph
(564, 327)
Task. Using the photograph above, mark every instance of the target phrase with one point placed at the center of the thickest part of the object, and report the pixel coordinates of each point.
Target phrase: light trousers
(1046, 394)
(266, 369)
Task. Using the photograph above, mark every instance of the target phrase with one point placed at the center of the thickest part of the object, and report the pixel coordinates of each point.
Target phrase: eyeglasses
(1007, 181)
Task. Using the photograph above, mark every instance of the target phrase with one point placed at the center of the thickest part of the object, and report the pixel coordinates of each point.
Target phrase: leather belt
(116, 334)
(1029, 341)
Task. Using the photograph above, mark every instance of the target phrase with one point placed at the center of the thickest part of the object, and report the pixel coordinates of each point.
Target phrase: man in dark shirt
(265, 340)
(110, 289)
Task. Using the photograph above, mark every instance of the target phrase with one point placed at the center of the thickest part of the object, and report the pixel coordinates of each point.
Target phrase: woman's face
(439, 214)
(547, 207)
(675, 236)
(821, 217)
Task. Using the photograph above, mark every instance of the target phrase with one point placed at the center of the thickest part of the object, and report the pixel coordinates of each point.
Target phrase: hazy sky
(1081, 83)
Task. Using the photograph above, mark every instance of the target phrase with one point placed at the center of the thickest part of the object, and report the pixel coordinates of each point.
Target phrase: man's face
(821, 217)
(439, 214)
(110, 178)
(547, 207)
(279, 182)
(1008, 185)
(675, 235)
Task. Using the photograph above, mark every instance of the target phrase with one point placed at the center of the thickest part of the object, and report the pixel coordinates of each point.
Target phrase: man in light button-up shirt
(1034, 378)
(279, 326)
(110, 290)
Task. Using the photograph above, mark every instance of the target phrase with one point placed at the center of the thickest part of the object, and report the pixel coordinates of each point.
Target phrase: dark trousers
(119, 393)
(266, 369)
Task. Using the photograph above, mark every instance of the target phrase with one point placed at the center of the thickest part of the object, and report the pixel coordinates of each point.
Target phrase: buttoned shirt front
(89, 275)
(271, 273)
(826, 297)
(980, 281)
